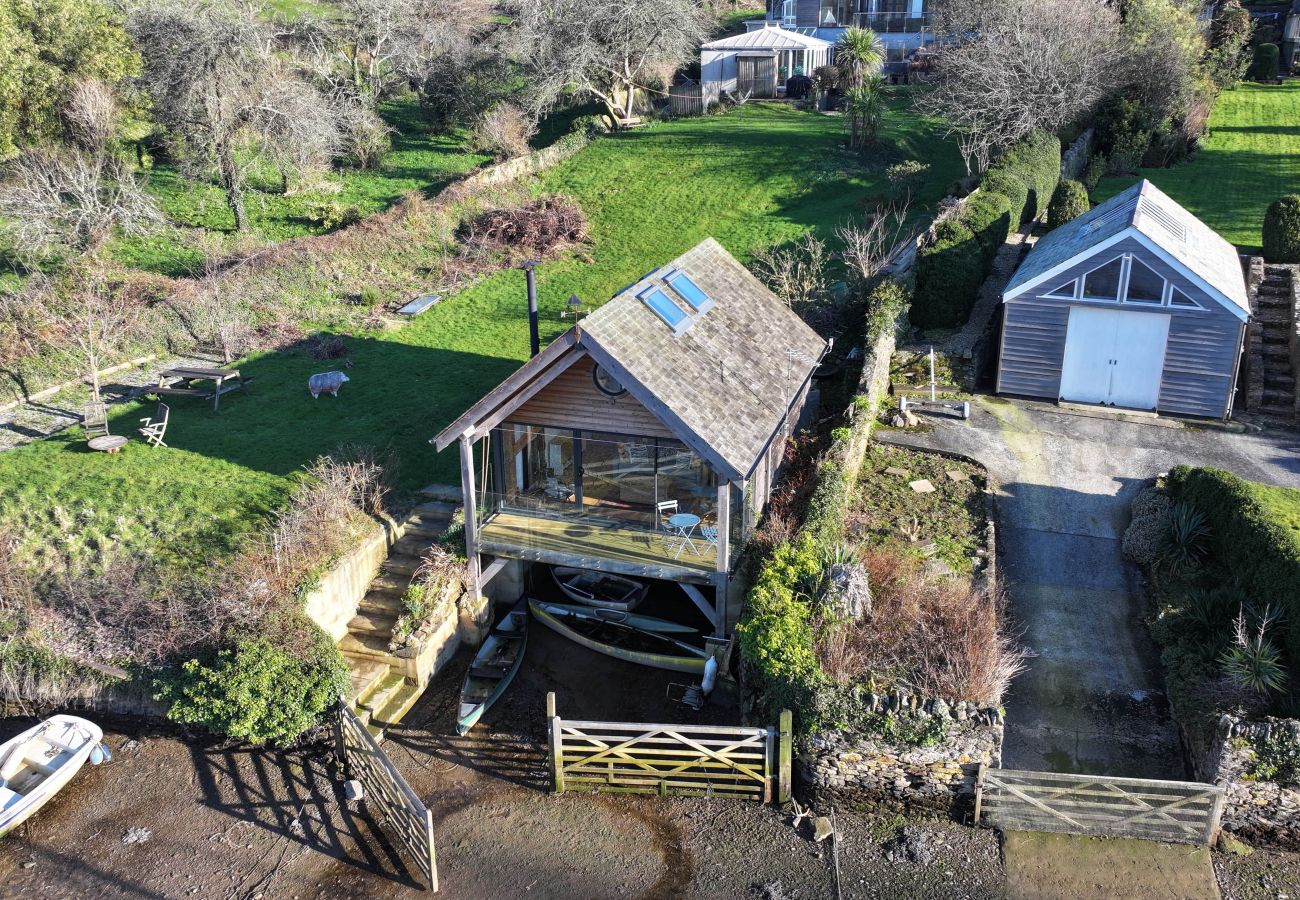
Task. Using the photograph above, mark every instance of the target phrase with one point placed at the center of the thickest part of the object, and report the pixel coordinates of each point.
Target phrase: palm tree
(864, 110)
(859, 55)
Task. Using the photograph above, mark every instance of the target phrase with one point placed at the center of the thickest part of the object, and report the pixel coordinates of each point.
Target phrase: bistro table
(185, 377)
(684, 524)
(108, 443)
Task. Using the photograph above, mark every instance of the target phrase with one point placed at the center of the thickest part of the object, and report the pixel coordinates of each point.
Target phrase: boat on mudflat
(37, 764)
(601, 589)
(493, 667)
(621, 641)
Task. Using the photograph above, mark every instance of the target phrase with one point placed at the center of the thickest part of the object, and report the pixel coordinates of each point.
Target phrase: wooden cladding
(1172, 811)
(681, 760)
(573, 401)
(387, 795)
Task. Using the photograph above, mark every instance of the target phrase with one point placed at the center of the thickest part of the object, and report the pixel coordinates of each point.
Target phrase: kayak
(645, 623)
(620, 641)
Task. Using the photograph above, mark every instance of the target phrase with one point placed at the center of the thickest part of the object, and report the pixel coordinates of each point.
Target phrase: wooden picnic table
(185, 377)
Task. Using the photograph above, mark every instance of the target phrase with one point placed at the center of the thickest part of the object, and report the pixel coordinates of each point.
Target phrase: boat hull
(673, 662)
(599, 589)
(472, 709)
(18, 808)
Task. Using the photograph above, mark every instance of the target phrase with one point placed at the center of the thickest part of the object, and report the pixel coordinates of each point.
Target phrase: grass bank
(763, 175)
(1249, 158)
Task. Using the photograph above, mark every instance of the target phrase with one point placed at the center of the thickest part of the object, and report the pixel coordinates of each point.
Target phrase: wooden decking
(597, 544)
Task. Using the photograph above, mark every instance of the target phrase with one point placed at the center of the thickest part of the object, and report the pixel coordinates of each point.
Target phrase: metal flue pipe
(535, 338)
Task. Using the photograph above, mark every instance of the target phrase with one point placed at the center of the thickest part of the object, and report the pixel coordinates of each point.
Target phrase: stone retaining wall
(857, 770)
(1074, 161)
(1259, 811)
(336, 599)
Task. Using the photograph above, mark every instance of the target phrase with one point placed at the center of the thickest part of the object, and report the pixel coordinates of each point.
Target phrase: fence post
(1216, 817)
(979, 793)
(340, 745)
(785, 761)
(433, 856)
(556, 743)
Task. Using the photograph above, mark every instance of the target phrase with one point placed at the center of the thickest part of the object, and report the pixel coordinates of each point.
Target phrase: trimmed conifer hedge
(1282, 230)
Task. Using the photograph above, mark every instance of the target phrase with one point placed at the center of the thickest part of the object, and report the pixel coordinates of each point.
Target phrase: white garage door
(1114, 356)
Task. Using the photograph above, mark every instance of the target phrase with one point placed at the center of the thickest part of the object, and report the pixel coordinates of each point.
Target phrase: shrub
(1006, 184)
(1260, 552)
(1282, 230)
(884, 304)
(988, 216)
(1277, 758)
(504, 131)
(949, 273)
(1069, 201)
(1266, 64)
(270, 688)
(331, 215)
(1186, 540)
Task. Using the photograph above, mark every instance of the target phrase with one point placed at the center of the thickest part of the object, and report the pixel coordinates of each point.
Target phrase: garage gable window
(1178, 298)
(1104, 283)
(1144, 285)
(1067, 291)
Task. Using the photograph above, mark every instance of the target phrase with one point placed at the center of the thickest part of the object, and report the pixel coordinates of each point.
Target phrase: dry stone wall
(1259, 811)
(939, 778)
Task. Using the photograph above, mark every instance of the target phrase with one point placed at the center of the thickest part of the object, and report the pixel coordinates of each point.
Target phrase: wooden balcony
(591, 542)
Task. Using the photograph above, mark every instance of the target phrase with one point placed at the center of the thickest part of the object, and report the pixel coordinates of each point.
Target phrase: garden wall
(937, 778)
(337, 597)
(1257, 810)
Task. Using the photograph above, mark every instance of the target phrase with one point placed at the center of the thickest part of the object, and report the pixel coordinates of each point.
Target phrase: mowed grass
(1282, 505)
(420, 160)
(1250, 157)
(766, 176)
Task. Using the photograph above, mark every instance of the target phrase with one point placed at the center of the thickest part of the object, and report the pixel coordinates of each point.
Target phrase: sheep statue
(326, 381)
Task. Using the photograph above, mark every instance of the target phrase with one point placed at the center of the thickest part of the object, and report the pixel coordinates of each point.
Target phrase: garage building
(1135, 304)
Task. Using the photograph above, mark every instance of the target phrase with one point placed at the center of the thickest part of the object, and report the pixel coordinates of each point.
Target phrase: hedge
(1266, 65)
(1069, 201)
(988, 216)
(949, 273)
(1011, 187)
(1259, 552)
(1282, 230)
(1036, 162)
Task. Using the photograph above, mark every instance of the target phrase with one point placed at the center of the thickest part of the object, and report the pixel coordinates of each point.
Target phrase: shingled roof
(722, 381)
(1147, 212)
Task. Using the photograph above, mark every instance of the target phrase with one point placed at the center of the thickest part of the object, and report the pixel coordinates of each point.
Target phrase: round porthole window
(606, 383)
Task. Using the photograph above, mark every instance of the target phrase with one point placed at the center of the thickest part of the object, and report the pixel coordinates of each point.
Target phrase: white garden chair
(156, 426)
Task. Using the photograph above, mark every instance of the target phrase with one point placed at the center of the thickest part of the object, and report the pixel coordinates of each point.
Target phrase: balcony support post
(471, 512)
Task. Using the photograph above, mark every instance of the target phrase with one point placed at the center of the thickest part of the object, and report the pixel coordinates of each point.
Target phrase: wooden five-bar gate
(689, 760)
(386, 794)
(1172, 811)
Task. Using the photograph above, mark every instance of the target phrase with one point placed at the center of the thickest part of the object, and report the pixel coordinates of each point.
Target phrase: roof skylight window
(689, 291)
(668, 312)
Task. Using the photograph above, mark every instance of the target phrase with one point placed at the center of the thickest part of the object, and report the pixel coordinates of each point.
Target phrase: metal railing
(894, 22)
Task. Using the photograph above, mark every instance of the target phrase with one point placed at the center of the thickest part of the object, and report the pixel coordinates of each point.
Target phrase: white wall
(717, 71)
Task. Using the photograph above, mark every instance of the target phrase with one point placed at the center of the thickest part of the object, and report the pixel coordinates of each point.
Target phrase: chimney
(530, 273)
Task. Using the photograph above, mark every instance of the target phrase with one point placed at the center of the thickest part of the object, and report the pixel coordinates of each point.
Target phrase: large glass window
(1144, 285)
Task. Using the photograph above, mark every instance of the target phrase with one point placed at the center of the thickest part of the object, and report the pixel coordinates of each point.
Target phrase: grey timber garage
(1135, 304)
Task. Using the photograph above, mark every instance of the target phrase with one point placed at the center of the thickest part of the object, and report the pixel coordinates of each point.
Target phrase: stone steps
(382, 601)
(450, 493)
(366, 646)
(365, 674)
(373, 623)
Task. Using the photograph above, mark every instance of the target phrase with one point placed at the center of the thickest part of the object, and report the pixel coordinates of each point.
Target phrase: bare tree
(226, 95)
(864, 248)
(371, 45)
(1022, 65)
(91, 116)
(93, 320)
(797, 272)
(607, 48)
(72, 200)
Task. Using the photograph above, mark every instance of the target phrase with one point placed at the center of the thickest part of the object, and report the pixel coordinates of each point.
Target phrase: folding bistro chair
(156, 426)
(94, 419)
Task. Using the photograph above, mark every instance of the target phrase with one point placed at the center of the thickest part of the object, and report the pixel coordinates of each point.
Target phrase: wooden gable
(572, 400)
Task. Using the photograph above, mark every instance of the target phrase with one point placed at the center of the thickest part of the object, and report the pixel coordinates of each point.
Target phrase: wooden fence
(386, 794)
(687, 100)
(682, 760)
(1173, 811)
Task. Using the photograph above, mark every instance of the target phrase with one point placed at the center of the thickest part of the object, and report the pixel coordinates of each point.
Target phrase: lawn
(420, 160)
(1282, 505)
(1250, 157)
(767, 174)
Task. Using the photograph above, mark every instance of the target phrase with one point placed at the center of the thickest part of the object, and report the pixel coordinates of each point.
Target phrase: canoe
(493, 667)
(636, 620)
(37, 764)
(621, 641)
(600, 588)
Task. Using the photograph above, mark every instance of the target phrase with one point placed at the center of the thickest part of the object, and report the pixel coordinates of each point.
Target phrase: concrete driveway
(1092, 699)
